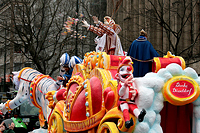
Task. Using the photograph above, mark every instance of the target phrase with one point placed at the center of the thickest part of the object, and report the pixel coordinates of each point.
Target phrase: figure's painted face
(108, 21)
(66, 69)
(125, 71)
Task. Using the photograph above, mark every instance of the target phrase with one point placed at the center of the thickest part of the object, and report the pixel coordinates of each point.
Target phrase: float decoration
(33, 86)
(96, 77)
(49, 97)
(181, 90)
(92, 90)
(7, 105)
(159, 62)
(128, 92)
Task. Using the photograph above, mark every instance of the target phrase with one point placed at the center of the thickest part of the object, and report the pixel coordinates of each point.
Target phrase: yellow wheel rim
(108, 127)
(55, 123)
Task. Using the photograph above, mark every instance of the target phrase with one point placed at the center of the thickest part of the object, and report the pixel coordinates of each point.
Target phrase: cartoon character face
(125, 71)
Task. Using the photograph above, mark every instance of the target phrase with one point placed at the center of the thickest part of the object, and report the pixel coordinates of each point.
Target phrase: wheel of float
(55, 124)
(108, 127)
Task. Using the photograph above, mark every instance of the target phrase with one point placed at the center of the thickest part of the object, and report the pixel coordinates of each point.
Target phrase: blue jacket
(68, 74)
(141, 49)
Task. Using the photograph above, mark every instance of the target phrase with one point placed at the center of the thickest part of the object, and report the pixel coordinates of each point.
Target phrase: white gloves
(95, 19)
(85, 24)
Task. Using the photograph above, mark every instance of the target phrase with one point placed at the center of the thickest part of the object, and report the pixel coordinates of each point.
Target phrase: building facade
(171, 25)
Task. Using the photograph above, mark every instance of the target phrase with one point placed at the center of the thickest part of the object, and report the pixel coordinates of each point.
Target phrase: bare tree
(35, 28)
(176, 18)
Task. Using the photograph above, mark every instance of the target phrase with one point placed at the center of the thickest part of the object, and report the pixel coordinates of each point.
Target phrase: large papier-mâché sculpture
(32, 86)
(89, 102)
(91, 96)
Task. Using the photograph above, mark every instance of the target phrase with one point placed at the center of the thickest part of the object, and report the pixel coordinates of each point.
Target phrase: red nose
(129, 68)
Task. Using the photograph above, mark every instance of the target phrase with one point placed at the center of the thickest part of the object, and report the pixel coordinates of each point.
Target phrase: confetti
(81, 15)
(68, 25)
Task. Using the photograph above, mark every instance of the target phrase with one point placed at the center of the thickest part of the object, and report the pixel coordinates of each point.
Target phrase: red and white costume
(127, 90)
(108, 40)
(125, 94)
(126, 101)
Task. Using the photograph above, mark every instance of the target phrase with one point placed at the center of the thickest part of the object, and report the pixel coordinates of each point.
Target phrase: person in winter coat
(8, 130)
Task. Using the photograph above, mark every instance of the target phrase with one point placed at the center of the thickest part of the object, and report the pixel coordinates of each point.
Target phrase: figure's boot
(128, 121)
(141, 115)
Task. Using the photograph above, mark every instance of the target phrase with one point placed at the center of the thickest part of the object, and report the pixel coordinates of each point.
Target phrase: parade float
(88, 104)
(90, 100)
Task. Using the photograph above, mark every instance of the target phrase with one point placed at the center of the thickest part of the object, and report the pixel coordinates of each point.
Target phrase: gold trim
(77, 126)
(157, 64)
(176, 100)
(7, 105)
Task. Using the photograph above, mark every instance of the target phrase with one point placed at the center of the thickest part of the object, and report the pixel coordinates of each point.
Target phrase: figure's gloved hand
(128, 81)
(85, 24)
(95, 19)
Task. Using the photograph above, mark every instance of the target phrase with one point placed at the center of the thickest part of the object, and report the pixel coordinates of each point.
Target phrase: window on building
(18, 10)
(23, 29)
(26, 48)
(18, 29)
(17, 48)
(27, 29)
(28, 64)
(2, 51)
(17, 66)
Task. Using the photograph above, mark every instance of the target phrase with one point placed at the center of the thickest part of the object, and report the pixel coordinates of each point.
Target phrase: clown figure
(127, 92)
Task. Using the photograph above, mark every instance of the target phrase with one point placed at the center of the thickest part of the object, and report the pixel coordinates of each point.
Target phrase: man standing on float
(142, 50)
(108, 39)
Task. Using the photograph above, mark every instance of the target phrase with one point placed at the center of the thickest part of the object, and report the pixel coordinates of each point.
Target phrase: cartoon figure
(109, 40)
(128, 92)
(65, 71)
